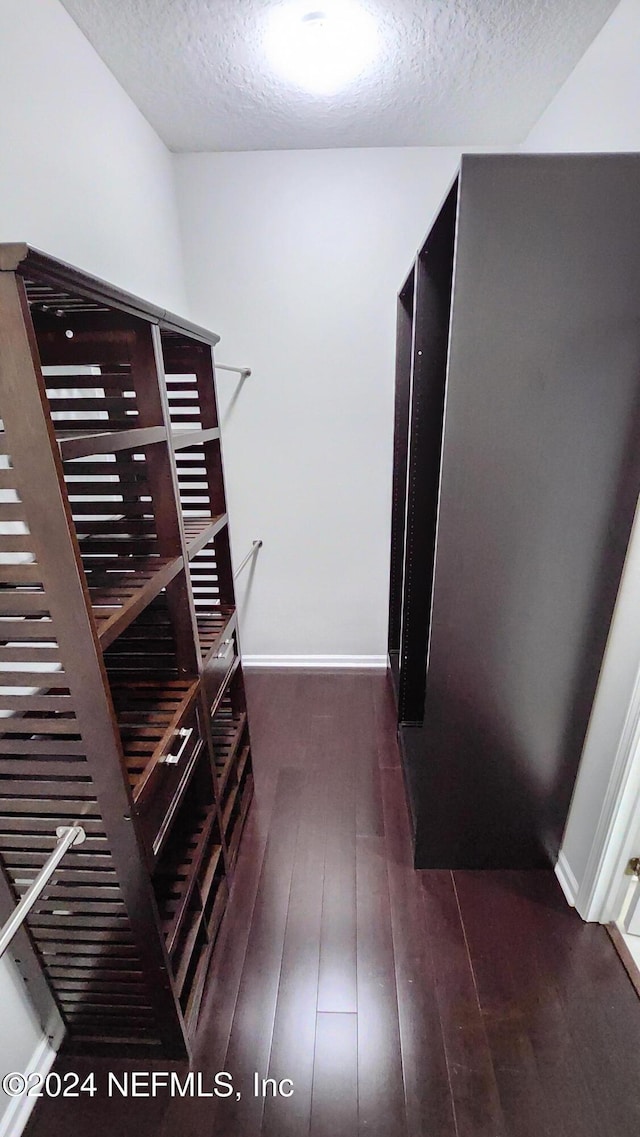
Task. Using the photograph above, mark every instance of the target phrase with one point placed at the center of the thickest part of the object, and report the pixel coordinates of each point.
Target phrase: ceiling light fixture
(321, 50)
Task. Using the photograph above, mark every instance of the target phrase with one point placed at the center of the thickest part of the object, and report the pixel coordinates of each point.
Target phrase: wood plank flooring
(400, 1004)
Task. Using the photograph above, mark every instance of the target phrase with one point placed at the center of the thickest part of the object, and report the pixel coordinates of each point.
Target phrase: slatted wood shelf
(148, 713)
(121, 588)
(209, 872)
(146, 647)
(216, 911)
(182, 439)
(199, 531)
(191, 890)
(217, 688)
(104, 628)
(214, 628)
(227, 729)
(212, 925)
(82, 444)
(192, 943)
(200, 925)
(62, 288)
(178, 873)
(233, 792)
(210, 919)
(243, 800)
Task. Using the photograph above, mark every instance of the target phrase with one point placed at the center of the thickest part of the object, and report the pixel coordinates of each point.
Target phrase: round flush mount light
(321, 50)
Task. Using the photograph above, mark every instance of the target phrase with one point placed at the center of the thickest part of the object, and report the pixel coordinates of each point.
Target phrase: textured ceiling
(450, 72)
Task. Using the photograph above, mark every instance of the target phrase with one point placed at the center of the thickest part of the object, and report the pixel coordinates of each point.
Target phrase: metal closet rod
(68, 836)
(243, 371)
(252, 552)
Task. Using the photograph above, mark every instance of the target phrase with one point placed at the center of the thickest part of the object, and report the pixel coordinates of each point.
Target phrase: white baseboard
(328, 662)
(568, 882)
(14, 1119)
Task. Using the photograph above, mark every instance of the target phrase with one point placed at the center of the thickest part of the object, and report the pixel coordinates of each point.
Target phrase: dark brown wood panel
(431, 318)
(540, 480)
(404, 337)
(522, 481)
(60, 287)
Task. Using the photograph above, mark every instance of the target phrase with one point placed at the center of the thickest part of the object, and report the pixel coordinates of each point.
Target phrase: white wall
(83, 177)
(18, 1045)
(597, 109)
(295, 259)
(24, 1048)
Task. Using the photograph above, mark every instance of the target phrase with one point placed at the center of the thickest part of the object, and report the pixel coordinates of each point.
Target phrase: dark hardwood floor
(400, 1004)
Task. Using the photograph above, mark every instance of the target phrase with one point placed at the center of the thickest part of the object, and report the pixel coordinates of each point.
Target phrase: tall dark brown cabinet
(516, 476)
(122, 703)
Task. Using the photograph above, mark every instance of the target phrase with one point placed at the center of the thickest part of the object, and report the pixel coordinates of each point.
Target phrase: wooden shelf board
(192, 1008)
(233, 793)
(217, 911)
(116, 605)
(247, 796)
(223, 684)
(214, 626)
(226, 731)
(83, 444)
(185, 868)
(148, 713)
(187, 951)
(194, 437)
(199, 531)
(210, 874)
(65, 284)
(197, 990)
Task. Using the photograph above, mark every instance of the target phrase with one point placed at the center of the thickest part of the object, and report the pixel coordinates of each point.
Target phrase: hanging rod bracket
(79, 834)
(243, 372)
(67, 835)
(255, 545)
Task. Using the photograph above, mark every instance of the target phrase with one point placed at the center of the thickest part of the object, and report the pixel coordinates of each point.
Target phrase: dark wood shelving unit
(119, 649)
(516, 478)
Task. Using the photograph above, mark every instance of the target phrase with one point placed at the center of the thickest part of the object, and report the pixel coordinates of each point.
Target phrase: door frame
(602, 891)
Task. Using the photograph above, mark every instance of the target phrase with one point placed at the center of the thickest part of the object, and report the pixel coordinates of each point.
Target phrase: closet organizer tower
(516, 478)
(122, 704)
